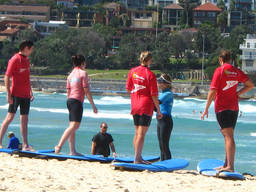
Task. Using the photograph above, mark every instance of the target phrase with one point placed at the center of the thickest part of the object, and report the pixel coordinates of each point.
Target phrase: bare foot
(57, 149)
(227, 169)
(76, 154)
(1, 146)
(146, 162)
(27, 148)
(219, 168)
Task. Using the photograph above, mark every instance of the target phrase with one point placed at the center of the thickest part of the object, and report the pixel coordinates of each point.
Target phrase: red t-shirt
(225, 80)
(19, 69)
(143, 85)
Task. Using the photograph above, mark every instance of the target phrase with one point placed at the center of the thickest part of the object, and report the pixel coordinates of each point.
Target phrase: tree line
(172, 52)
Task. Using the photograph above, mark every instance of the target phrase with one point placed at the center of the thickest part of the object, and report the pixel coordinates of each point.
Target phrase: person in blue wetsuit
(165, 125)
(14, 142)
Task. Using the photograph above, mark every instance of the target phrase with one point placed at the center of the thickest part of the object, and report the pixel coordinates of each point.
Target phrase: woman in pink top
(77, 89)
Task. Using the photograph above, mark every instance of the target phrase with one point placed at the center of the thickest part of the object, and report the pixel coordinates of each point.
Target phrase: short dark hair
(77, 60)
(25, 43)
(225, 55)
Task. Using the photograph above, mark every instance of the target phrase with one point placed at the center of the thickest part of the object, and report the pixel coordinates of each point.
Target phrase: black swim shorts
(227, 118)
(142, 120)
(75, 108)
(24, 104)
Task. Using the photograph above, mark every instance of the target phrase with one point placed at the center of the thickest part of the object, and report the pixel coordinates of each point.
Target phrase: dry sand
(39, 175)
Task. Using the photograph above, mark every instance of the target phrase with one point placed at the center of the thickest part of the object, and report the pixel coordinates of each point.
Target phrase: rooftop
(208, 7)
(173, 6)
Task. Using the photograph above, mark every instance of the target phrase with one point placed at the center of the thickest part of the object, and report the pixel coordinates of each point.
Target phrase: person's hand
(32, 98)
(159, 115)
(203, 114)
(9, 99)
(114, 154)
(95, 110)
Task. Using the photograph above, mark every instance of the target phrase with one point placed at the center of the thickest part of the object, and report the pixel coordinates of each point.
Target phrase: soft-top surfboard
(51, 155)
(10, 151)
(166, 165)
(207, 167)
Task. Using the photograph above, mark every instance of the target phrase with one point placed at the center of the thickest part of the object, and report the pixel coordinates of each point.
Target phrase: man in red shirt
(224, 89)
(20, 93)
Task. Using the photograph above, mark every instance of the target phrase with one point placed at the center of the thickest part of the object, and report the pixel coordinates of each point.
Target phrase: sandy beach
(39, 175)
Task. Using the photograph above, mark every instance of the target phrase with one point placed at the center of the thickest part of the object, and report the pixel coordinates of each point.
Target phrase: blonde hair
(145, 56)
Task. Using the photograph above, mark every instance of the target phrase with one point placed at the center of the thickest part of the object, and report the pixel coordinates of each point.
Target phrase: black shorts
(227, 118)
(24, 104)
(142, 120)
(75, 108)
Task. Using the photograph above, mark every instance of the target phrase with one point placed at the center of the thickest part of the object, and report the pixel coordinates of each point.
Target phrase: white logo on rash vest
(137, 88)
(230, 84)
(23, 69)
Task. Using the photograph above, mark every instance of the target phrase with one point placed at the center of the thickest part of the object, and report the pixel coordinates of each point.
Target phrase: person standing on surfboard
(142, 85)
(224, 89)
(20, 94)
(77, 89)
(165, 124)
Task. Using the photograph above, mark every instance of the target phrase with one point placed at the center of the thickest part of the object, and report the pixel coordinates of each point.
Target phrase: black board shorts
(24, 104)
(142, 120)
(227, 118)
(75, 108)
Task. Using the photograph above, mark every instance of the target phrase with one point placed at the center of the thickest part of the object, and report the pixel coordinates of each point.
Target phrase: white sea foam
(4, 106)
(195, 99)
(116, 100)
(253, 134)
(248, 108)
(52, 110)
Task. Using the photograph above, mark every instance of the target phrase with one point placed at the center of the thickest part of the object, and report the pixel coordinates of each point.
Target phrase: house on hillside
(47, 28)
(10, 28)
(248, 56)
(171, 15)
(207, 12)
(29, 13)
(66, 3)
(142, 18)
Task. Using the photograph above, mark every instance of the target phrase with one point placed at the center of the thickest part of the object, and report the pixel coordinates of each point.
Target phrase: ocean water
(191, 139)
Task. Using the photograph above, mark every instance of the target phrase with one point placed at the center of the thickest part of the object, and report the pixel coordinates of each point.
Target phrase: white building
(248, 56)
(47, 28)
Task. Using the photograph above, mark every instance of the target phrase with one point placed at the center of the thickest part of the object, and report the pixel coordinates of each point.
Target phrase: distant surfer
(77, 89)
(20, 94)
(240, 114)
(224, 89)
(101, 142)
(142, 85)
(165, 124)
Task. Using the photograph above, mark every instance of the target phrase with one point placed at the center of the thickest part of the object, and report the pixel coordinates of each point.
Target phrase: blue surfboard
(207, 167)
(10, 151)
(51, 155)
(166, 165)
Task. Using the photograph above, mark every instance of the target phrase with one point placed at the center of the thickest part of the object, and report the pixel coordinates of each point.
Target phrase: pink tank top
(76, 82)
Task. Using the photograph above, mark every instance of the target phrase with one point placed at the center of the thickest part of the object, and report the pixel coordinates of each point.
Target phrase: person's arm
(211, 96)
(31, 94)
(7, 87)
(156, 103)
(113, 149)
(248, 85)
(93, 148)
(90, 99)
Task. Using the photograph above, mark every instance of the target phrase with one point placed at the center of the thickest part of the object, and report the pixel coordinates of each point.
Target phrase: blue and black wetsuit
(165, 125)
